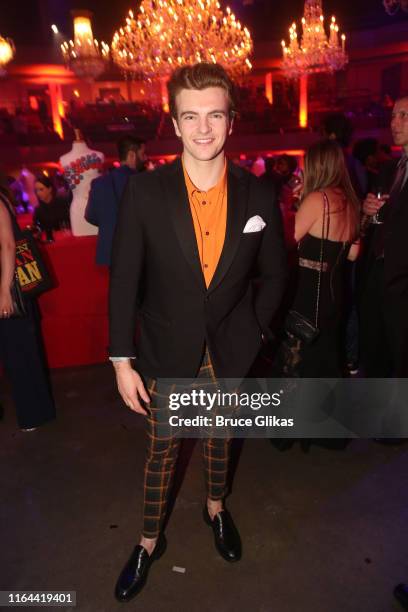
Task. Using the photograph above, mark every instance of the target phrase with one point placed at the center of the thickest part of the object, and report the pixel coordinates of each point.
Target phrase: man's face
(136, 158)
(203, 122)
(399, 123)
(282, 166)
(141, 156)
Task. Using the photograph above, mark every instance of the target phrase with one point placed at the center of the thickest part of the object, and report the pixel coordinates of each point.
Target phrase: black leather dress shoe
(134, 575)
(226, 536)
(401, 593)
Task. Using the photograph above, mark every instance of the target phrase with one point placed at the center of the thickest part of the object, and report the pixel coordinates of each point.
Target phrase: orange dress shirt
(209, 212)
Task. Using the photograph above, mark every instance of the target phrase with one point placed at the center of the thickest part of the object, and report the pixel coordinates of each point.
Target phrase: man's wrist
(121, 363)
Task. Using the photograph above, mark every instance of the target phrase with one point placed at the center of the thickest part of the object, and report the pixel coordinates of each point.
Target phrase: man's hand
(372, 204)
(130, 386)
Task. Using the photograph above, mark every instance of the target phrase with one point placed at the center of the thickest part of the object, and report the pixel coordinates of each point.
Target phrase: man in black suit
(384, 274)
(199, 256)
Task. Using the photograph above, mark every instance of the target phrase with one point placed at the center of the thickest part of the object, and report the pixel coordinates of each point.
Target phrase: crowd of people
(350, 175)
(111, 115)
(182, 245)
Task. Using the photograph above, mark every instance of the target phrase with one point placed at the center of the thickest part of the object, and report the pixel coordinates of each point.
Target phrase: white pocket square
(254, 224)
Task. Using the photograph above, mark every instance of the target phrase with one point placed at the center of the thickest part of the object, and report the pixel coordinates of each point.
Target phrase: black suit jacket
(395, 241)
(156, 275)
(396, 247)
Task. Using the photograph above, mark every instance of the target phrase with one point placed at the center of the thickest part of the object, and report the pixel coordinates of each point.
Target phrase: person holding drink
(383, 286)
(374, 204)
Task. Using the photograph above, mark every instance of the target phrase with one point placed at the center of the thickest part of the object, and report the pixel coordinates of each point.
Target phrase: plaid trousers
(163, 449)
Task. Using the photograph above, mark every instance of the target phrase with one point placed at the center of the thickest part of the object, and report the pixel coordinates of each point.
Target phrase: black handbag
(296, 324)
(32, 272)
(31, 269)
(19, 307)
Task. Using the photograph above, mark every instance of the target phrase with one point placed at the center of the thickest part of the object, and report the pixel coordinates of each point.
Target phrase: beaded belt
(312, 264)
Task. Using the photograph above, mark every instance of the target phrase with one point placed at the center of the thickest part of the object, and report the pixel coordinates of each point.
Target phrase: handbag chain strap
(319, 280)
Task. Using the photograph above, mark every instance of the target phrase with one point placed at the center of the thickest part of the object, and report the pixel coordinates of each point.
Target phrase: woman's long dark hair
(47, 182)
(325, 167)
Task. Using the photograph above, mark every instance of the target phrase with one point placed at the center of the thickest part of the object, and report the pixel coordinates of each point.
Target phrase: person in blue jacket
(106, 192)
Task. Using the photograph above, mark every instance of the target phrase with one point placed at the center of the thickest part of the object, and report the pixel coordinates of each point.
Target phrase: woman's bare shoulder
(309, 213)
(312, 203)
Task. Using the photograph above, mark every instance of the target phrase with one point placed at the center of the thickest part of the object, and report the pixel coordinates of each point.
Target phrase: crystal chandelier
(169, 33)
(84, 55)
(393, 6)
(7, 51)
(316, 52)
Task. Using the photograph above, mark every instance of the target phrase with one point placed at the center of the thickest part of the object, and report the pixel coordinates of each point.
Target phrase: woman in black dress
(326, 231)
(327, 196)
(21, 346)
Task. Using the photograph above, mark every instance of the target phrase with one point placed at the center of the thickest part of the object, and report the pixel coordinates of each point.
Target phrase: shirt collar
(192, 189)
(124, 168)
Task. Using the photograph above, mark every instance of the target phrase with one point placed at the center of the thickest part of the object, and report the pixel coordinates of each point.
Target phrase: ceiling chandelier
(170, 33)
(316, 52)
(393, 6)
(7, 51)
(84, 55)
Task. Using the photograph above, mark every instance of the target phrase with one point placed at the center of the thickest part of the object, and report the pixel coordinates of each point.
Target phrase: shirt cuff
(120, 358)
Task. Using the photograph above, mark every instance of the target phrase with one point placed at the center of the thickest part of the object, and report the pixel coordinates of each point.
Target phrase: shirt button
(207, 233)
(203, 202)
(205, 265)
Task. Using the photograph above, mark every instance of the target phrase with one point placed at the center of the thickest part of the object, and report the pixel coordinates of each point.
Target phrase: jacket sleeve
(272, 264)
(92, 207)
(126, 269)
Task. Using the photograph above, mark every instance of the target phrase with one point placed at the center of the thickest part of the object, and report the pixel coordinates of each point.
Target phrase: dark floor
(324, 532)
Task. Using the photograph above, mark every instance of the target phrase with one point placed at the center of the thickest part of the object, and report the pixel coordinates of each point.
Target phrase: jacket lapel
(237, 201)
(399, 198)
(176, 196)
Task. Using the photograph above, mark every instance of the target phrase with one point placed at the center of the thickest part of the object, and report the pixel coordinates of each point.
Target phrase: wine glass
(377, 218)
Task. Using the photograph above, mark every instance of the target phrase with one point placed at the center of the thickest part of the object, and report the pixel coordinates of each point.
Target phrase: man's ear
(176, 127)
